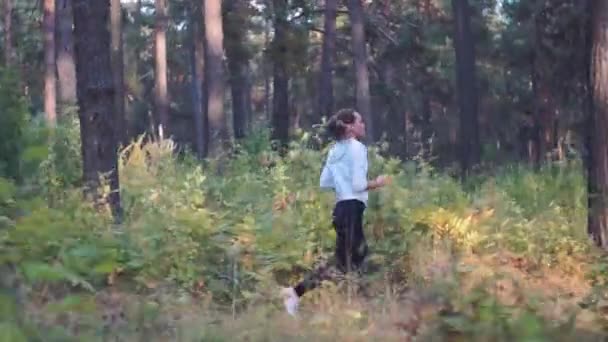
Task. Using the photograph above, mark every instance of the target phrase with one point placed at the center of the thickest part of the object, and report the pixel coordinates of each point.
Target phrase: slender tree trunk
(197, 53)
(588, 103)
(545, 111)
(547, 138)
(9, 51)
(241, 96)
(588, 6)
(96, 98)
(534, 150)
(357, 21)
(118, 71)
(204, 75)
(396, 119)
(426, 129)
(536, 145)
(280, 85)
(470, 150)
(238, 65)
(267, 77)
(598, 165)
(162, 95)
(50, 96)
(214, 39)
(325, 95)
(140, 89)
(527, 138)
(66, 68)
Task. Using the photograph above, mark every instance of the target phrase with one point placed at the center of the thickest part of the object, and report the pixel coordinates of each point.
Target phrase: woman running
(345, 171)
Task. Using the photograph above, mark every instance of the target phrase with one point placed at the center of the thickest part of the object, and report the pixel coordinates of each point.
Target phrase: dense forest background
(159, 166)
(520, 67)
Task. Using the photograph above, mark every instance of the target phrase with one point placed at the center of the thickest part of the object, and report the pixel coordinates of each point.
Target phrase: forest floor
(383, 311)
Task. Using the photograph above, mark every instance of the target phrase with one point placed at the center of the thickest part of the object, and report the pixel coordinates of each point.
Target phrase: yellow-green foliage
(72, 243)
(167, 227)
(263, 215)
(233, 228)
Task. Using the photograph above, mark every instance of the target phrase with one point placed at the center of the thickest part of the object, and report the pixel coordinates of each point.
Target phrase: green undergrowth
(224, 236)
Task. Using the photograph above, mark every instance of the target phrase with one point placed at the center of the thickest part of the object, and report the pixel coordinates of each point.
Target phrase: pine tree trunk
(238, 65)
(470, 150)
(197, 55)
(241, 97)
(149, 124)
(426, 129)
(9, 51)
(426, 125)
(545, 111)
(325, 95)
(280, 82)
(66, 68)
(205, 69)
(396, 119)
(118, 71)
(214, 75)
(50, 96)
(534, 151)
(162, 95)
(357, 22)
(267, 77)
(95, 90)
(598, 163)
(588, 103)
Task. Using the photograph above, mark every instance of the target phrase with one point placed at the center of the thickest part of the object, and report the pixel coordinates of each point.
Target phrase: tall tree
(237, 51)
(95, 97)
(118, 70)
(598, 159)
(544, 109)
(363, 98)
(280, 80)
(160, 38)
(393, 101)
(197, 67)
(9, 51)
(50, 96)
(266, 70)
(66, 69)
(214, 76)
(466, 86)
(325, 94)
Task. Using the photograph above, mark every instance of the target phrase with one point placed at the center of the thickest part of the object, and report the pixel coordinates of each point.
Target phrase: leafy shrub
(261, 220)
(51, 160)
(538, 214)
(270, 218)
(73, 243)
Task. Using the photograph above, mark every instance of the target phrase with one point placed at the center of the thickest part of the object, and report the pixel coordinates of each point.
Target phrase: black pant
(351, 247)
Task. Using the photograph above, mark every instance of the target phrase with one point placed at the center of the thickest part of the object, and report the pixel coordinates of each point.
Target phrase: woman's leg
(341, 222)
(351, 247)
(321, 272)
(359, 247)
(350, 252)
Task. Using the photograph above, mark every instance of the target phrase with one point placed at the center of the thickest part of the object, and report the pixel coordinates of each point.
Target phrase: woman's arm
(326, 182)
(360, 166)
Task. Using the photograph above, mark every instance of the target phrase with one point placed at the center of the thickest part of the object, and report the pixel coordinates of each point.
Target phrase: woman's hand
(383, 180)
(379, 182)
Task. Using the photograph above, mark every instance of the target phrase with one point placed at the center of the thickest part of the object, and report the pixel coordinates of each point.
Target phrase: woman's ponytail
(338, 123)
